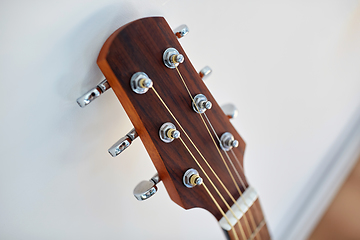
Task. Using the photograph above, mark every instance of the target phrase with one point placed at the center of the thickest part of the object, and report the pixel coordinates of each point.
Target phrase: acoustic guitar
(197, 152)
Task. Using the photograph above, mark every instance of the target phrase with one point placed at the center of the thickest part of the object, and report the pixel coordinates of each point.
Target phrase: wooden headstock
(138, 47)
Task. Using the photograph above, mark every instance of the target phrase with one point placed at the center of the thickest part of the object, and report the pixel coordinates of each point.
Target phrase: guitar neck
(252, 224)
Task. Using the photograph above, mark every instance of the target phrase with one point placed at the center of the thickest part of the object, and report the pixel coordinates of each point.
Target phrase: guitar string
(167, 108)
(242, 169)
(237, 173)
(213, 185)
(232, 164)
(231, 175)
(222, 184)
(216, 203)
(222, 212)
(258, 228)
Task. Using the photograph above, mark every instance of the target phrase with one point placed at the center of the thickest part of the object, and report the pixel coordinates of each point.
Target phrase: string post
(146, 83)
(196, 180)
(173, 133)
(200, 103)
(192, 178)
(168, 132)
(172, 58)
(177, 58)
(227, 141)
(234, 143)
(206, 104)
(140, 83)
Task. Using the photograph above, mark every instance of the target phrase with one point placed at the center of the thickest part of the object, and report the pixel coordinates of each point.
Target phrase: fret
(257, 230)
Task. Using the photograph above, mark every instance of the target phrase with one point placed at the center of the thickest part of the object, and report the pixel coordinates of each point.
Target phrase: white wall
(291, 68)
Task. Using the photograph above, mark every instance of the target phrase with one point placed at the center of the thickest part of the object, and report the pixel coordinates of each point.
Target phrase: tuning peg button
(123, 143)
(205, 72)
(146, 189)
(230, 110)
(181, 31)
(94, 93)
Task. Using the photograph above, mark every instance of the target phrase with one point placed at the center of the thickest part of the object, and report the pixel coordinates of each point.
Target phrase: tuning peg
(227, 141)
(181, 31)
(94, 93)
(123, 143)
(205, 72)
(145, 189)
(230, 110)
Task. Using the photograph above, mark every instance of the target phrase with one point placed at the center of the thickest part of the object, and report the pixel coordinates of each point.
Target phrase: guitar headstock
(137, 61)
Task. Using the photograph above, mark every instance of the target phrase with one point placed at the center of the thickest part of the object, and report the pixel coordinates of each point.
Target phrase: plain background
(291, 68)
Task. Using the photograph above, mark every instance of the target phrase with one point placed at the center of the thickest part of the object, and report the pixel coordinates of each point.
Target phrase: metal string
(237, 173)
(258, 229)
(162, 101)
(232, 164)
(167, 108)
(211, 182)
(231, 175)
(204, 160)
(242, 169)
(222, 212)
(222, 184)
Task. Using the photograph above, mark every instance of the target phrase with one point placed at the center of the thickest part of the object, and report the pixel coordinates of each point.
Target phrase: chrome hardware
(123, 143)
(181, 31)
(201, 104)
(168, 132)
(227, 141)
(205, 72)
(230, 110)
(192, 178)
(94, 93)
(145, 189)
(140, 83)
(172, 58)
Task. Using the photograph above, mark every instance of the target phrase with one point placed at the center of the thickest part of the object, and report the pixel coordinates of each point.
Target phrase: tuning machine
(94, 93)
(181, 31)
(230, 110)
(146, 189)
(123, 143)
(205, 72)
(227, 141)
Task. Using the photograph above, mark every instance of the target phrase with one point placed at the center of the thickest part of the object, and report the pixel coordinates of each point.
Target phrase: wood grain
(138, 47)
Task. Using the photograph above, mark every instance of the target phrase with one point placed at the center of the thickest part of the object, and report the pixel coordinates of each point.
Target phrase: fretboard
(252, 224)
